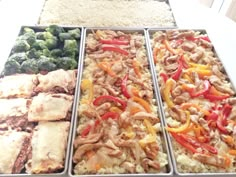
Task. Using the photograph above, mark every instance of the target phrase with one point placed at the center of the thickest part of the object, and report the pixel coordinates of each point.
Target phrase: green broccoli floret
(40, 35)
(46, 64)
(28, 30)
(56, 53)
(33, 53)
(11, 67)
(21, 46)
(46, 53)
(30, 66)
(51, 43)
(75, 33)
(70, 48)
(39, 45)
(66, 63)
(19, 57)
(47, 35)
(65, 36)
(55, 30)
(29, 37)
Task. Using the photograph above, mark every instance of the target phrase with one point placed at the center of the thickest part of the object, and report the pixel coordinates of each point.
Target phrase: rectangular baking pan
(150, 33)
(169, 167)
(66, 159)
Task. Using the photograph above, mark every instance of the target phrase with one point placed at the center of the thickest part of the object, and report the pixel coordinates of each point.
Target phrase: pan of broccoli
(40, 49)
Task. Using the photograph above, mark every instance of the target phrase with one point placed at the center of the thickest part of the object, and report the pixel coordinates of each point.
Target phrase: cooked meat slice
(15, 147)
(184, 97)
(143, 115)
(188, 46)
(130, 167)
(218, 73)
(197, 55)
(48, 157)
(91, 138)
(57, 81)
(47, 106)
(206, 43)
(214, 160)
(100, 55)
(221, 86)
(147, 163)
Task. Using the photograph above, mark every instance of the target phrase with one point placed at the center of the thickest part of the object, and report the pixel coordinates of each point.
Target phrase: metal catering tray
(62, 172)
(169, 168)
(150, 33)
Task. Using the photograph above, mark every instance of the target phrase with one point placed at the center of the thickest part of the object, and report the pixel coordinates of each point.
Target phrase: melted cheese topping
(12, 108)
(17, 86)
(11, 145)
(47, 106)
(51, 80)
(48, 146)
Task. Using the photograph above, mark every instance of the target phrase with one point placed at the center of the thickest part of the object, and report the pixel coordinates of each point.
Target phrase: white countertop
(188, 15)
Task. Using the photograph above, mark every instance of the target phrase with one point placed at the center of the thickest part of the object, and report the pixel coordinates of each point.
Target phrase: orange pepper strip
(169, 48)
(228, 139)
(187, 77)
(107, 68)
(142, 102)
(135, 91)
(181, 128)
(115, 109)
(197, 130)
(136, 66)
(134, 110)
(89, 154)
(98, 166)
(155, 51)
(167, 92)
(214, 91)
(188, 105)
(149, 127)
(190, 128)
(232, 152)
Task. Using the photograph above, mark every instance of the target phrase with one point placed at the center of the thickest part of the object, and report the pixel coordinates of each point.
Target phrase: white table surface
(188, 15)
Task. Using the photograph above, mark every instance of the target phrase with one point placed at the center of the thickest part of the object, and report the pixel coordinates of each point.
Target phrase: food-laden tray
(37, 94)
(122, 13)
(198, 101)
(119, 129)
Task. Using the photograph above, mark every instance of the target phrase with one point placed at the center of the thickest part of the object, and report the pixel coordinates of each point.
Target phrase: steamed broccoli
(55, 30)
(40, 35)
(19, 57)
(33, 53)
(51, 43)
(75, 33)
(29, 37)
(11, 67)
(70, 48)
(65, 36)
(56, 53)
(46, 64)
(28, 30)
(39, 45)
(21, 46)
(30, 66)
(66, 63)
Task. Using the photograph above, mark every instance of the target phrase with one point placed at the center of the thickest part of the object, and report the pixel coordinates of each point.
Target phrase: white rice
(107, 13)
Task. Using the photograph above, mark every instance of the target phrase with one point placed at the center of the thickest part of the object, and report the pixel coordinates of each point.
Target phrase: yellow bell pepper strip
(136, 67)
(143, 103)
(115, 109)
(107, 68)
(164, 76)
(87, 84)
(187, 77)
(147, 140)
(200, 66)
(177, 74)
(167, 90)
(99, 100)
(182, 127)
(114, 41)
(149, 127)
(232, 152)
(201, 72)
(188, 105)
(190, 128)
(100, 34)
(169, 48)
(115, 49)
(124, 86)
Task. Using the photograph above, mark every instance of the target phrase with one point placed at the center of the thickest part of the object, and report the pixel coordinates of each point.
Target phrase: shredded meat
(91, 138)
(146, 163)
(188, 46)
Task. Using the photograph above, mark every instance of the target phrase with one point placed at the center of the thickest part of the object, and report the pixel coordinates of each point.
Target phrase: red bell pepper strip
(183, 61)
(191, 140)
(203, 91)
(114, 41)
(213, 116)
(115, 49)
(164, 77)
(213, 98)
(98, 101)
(124, 86)
(177, 74)
(206, 38)
(222, 120)
(88, 128)
(113, 115)
(184, 143)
